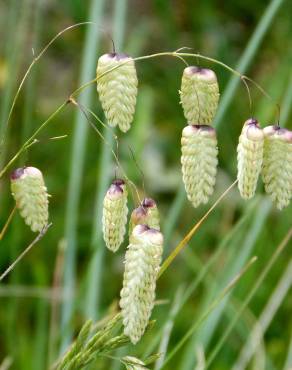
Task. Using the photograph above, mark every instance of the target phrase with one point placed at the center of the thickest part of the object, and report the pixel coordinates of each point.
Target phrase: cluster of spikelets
(142, 259)
(268, 152)
(97, 341)
(31, 197)
(199, 98)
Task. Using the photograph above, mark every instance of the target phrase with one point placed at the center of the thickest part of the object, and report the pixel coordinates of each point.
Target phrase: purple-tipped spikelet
(117, 89)
(146, 214)
(199, 162)
(277, 165)
(249, 157)
(114, 216)
(31, 197)
(199, 95)
(142, 262)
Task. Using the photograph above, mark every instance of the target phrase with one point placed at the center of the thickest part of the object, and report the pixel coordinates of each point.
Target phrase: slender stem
(185, 240)
(7, 223)
(36, 59)
(30, 141)
(249, 297)
(20, 257)
(212, 306)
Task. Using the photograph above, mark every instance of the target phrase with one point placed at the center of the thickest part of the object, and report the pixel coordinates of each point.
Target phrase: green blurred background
(69, 276)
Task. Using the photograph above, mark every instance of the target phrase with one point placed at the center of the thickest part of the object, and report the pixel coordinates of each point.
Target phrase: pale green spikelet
(249, 157)
(114, 216)
(142, 262)
(199, 162)
(31, 197)
(117, 89)
(133, 363)
(277, 165)
(146, 214)
(199, 95)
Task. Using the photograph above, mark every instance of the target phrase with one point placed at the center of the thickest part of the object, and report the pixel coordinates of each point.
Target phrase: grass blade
(76, 170)
(93, 288)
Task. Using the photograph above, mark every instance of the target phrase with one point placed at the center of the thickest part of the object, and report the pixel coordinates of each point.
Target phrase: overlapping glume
(277, 165)
(117, 89)
(114, 216)
(199, 95)
(142, 262)
(199, 162)
(146, 214)
(249, 157)
(31, 197)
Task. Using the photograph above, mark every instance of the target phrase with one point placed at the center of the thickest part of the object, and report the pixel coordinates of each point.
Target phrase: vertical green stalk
(248, 55)
(93, 282)
(76, 169)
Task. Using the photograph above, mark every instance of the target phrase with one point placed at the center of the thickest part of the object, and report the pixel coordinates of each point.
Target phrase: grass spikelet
(249, 157)
(31, 197)
(133, 363)
(146, 214)
(199, 162)
(142, 263)
(117, 89)
(199, 94)
(114, 215)
(277, 165)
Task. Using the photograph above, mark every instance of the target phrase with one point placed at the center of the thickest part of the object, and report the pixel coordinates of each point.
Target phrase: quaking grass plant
(117, 87)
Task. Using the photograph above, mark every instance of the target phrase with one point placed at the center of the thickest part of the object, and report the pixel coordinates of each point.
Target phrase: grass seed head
(31, 197)
(249, 157)
(142, 262)
(199, 95)
(277, 165)
(199, 162)
(114, 216)
(147, 213)
(117, 89)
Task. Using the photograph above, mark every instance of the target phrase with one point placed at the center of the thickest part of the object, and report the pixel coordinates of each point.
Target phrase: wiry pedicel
(142, 262)
(199, 162)
(249, 157)
(31, 197)
(277, 165)
(114, 216)
(117, 89)
(199, 95)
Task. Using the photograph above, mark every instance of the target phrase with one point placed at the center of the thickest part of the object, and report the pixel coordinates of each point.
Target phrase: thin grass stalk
(76, 172)
(206, 332)
(210, 308)
(167, 328)
(93, 288)
(251, 294)
(268, 313)
(202, 274)
(250, 51)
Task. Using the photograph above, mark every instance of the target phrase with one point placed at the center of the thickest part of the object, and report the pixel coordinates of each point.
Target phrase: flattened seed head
(152, 235)
(117, 57)
(25, 171)
(148, 203)
(252, 130)
(270, 130)
(204, 74)
(115, 191)
(190, 130)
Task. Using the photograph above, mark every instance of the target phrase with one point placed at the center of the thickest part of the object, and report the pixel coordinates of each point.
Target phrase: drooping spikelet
(114, 215)
(142, 263)
(199, 162)
(146, 214)
(31, 197)
(277, 165)
(249, 157)
(117, 89)
(199, 94)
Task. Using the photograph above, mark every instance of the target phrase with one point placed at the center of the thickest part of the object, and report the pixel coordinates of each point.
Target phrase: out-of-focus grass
(221, 32)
